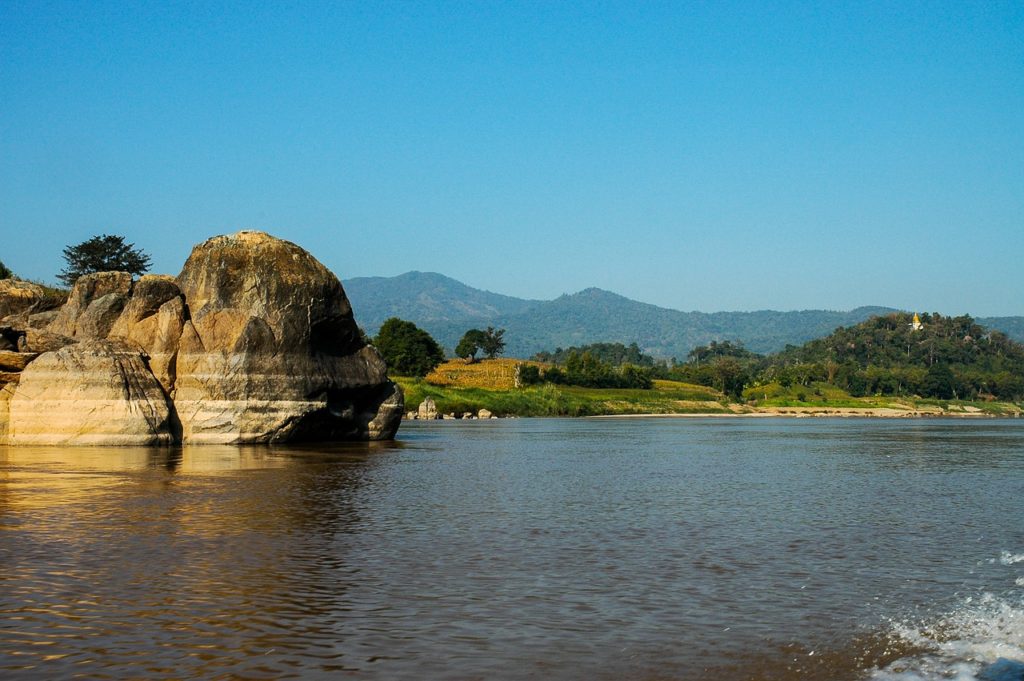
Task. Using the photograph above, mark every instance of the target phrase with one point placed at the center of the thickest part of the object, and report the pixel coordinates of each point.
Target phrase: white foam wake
(1008, 558)
(981, 640)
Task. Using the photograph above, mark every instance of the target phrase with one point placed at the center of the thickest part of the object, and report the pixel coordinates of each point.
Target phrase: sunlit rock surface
(18, 297)
(271, 351)
(253, 342)
(153, 319)
(95, 303)
(94, 392)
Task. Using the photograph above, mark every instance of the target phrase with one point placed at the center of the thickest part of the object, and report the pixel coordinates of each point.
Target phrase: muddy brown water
(524, 549)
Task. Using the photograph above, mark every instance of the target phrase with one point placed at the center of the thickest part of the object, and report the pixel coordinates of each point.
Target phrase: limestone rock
(6, 392)
(253, 342)
(148, 295)
(15, 361)
(270, 351)
(18, 297)
(95, 303)
(153, 318)
(97, 319)
(40, 320)
(94, 392)
(384, 422)
(427, 410)
(484, 414)
(38, 340)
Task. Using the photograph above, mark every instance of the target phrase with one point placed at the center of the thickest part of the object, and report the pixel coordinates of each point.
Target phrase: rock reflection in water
(174, 562)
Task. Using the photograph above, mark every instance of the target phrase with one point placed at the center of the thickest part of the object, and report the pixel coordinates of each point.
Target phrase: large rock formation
(253, 342)
(286, 353)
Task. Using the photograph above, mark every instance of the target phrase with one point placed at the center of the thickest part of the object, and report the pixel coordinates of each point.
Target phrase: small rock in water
(427, 410)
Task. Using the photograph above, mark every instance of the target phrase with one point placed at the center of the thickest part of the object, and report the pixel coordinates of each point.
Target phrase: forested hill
(940, 357)
(595, 315)
(446, 308)
(895, 340)
(426, 297)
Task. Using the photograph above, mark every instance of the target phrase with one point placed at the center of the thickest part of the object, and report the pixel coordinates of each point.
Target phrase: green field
(671, 397)
(825, 396)
(667, 397)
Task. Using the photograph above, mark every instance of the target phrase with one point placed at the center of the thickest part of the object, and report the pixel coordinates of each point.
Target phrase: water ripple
(514, 550)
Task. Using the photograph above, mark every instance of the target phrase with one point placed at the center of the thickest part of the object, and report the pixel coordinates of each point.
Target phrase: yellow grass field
(459, 386)
(491, 374)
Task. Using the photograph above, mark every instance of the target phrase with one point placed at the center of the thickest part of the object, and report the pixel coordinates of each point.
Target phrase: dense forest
(945, 357)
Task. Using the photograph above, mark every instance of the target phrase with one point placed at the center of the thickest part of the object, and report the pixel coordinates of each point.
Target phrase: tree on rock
(104, 253)
(407, 349)
(5, 272)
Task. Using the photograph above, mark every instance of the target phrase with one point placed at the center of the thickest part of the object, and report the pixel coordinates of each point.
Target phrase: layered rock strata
(94, 392)
(254, 341)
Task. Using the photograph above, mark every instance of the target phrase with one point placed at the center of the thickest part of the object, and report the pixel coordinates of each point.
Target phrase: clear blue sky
(699, 156)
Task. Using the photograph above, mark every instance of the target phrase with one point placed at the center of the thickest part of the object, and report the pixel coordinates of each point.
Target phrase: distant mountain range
(446, 308)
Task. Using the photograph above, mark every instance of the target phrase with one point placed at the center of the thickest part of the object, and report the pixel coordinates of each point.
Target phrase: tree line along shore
(897, 365)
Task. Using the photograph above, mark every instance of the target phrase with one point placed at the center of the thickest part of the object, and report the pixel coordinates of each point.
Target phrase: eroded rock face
(95, 303)
(253, 342)
(40, 340)
(15, 361)
(385, 422)
(271, 351)
(6, 393)
(94, 392)
(153, 319)
(17, 297)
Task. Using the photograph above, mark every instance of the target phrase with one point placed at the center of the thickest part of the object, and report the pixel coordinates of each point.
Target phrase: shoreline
(456, 394)
(791, 413)
(810, 412)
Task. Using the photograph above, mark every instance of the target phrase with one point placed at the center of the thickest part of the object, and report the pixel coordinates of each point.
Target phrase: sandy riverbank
(830, 412)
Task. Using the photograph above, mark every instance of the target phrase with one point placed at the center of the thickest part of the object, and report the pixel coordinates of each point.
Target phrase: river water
(648, 549)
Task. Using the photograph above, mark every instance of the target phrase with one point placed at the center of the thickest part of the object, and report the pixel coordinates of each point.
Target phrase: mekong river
(525, 549)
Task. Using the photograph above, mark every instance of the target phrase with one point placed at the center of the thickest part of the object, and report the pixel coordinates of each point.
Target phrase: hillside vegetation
(887, 365)
(446, 308)
(457, 387)
(945, 358)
